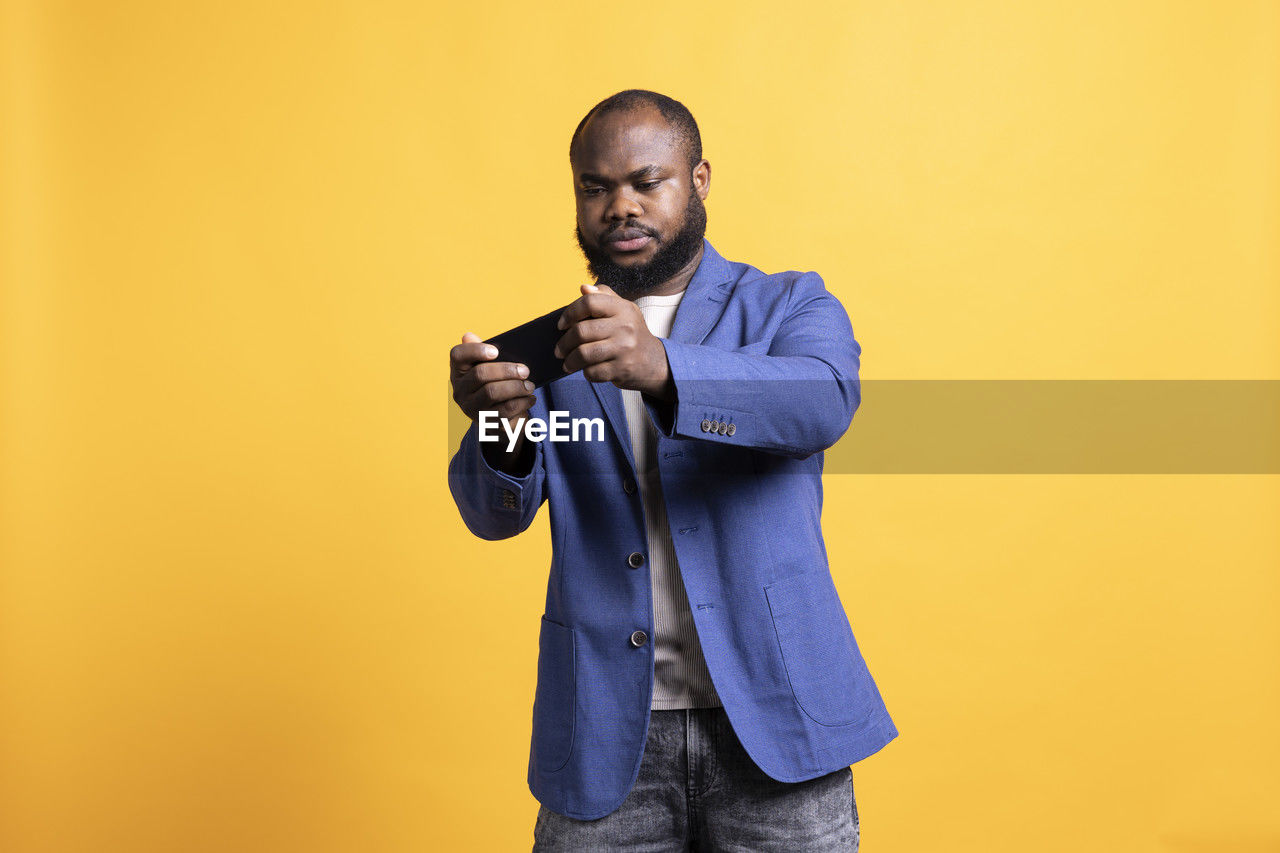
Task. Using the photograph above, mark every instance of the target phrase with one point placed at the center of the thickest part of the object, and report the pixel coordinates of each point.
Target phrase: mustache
(671, 254)
(632, 230)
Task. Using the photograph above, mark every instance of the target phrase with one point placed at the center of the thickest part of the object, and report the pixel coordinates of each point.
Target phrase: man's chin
(609, 266)
(638, 273)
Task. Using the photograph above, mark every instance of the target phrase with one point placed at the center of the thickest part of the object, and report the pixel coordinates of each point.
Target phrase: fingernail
(522, 371)
(560, 323)
(528, 386)
(491, 352)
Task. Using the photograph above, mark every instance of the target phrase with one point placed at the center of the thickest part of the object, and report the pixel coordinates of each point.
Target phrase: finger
(468, 382)
(470, 338)
(464, 355)
(595, 352)
(471, 382)
(491, 394)
(602, 372)
(566, 318)
(494, 371)
(588, 305)
(511, 409)
(576, 310)
(516, 407)
(581, 333)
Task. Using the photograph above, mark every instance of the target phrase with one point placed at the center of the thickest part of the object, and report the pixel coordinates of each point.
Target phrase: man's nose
(623, 205)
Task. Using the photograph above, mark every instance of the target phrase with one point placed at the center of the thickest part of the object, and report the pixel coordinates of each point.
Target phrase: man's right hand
(482, 384)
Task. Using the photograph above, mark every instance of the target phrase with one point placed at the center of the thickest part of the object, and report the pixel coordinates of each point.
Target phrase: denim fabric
(699, 790)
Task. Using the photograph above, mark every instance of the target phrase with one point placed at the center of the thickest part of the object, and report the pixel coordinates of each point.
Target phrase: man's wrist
(663, 391)
(517, 462)
(662, 386)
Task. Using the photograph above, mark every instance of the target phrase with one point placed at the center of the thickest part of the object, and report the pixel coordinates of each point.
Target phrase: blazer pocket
(821, 658)
(555, 697)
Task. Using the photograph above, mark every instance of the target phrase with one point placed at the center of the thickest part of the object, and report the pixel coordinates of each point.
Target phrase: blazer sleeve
(795, 399)
(494, 504)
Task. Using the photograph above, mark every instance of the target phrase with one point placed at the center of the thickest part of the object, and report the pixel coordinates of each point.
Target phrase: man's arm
(496, 503)
(796, 400)
(498, 485)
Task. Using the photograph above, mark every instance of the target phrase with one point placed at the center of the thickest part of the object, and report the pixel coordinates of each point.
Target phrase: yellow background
(238, 610)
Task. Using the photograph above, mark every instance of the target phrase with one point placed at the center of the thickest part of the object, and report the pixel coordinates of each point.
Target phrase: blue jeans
(698, 790)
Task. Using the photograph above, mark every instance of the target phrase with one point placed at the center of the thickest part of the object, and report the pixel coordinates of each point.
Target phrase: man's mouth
(627, 240)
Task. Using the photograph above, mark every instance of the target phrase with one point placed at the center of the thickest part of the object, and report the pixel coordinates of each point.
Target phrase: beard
(631, 282)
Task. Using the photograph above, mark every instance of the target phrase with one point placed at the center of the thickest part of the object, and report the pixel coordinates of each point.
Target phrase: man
(699, 686)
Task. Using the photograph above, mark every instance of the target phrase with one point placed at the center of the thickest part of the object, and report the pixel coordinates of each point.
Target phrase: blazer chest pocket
(822, 660)
(555, 697)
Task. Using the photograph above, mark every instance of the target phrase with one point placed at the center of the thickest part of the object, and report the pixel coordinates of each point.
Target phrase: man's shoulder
(750, 285)
(750, 282)
(741, 272)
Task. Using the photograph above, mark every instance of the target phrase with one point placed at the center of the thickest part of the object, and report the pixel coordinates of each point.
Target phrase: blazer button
(723, 429)
(636, 560)
(629, 486)
(638, 638)
(706, 425)
(732, 430)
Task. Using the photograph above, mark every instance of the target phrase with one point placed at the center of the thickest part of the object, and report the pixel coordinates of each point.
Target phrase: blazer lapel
(704, 298)
(703, 302)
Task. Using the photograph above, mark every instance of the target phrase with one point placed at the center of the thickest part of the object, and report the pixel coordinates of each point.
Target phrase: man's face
(640, 214)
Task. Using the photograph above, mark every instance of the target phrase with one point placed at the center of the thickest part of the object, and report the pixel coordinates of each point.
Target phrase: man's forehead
(626, 141)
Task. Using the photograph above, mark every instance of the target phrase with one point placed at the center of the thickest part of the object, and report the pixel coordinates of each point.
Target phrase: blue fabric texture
(766, 374)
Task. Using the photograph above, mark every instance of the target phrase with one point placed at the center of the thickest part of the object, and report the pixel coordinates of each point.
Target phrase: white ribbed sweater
(680, 672)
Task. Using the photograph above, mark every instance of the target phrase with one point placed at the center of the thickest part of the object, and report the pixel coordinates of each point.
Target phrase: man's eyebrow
(642, 172)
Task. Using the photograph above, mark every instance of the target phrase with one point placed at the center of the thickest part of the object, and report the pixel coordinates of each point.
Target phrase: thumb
(596, 288)
(470, 338)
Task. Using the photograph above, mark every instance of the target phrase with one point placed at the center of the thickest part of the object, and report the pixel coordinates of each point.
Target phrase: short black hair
(676, 114)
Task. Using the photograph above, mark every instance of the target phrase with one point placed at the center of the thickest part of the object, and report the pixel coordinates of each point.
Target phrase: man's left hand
(609, 341)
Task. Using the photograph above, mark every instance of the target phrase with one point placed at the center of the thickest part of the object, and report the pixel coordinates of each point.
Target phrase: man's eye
(592, 190)
(648, 185)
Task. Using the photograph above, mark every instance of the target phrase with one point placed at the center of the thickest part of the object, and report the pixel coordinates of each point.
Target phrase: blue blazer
(766, 375)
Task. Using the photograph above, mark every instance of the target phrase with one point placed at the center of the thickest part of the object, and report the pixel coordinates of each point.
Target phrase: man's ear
(702, 179)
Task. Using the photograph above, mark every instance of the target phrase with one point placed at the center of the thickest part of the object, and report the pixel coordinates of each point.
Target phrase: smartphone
(533, 345)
